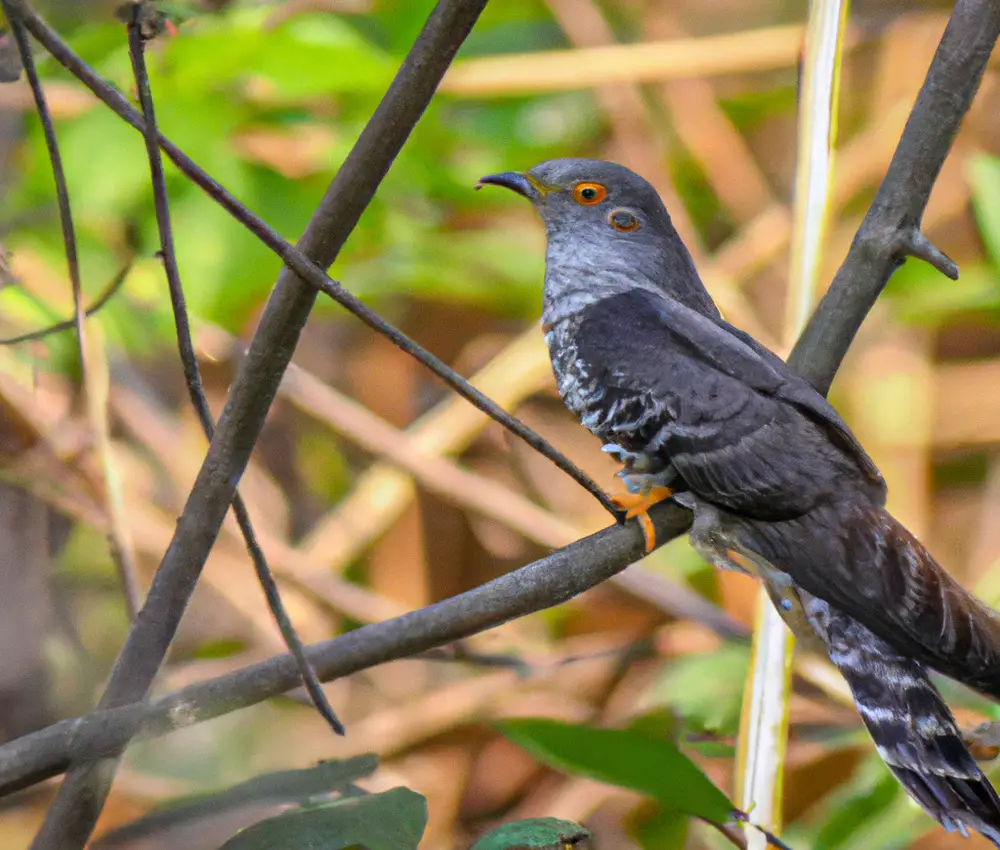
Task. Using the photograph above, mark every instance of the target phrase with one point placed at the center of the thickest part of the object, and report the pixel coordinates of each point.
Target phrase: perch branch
(541, 584)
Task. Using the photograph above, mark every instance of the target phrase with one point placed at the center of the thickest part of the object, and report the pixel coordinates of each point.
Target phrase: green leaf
(984, 175)
(623, 757)
(308, 55)
(285, 786)
(393, 820)
(540, 833)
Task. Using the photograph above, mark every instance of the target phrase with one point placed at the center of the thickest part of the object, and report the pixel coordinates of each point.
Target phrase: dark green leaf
(286, 786)
(393, 820)
(626, 758)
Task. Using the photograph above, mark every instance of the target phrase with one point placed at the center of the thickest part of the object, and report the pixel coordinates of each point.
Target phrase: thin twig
(58, 174)
(192, 376)
(78, 803)
(296, 258)
(69, 324)
(119, 544)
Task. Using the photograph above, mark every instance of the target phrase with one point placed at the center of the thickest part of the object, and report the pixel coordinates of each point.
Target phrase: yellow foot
(637, 505)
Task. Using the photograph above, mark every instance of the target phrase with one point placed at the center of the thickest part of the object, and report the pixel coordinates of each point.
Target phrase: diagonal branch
(890, 231)
(73, 814)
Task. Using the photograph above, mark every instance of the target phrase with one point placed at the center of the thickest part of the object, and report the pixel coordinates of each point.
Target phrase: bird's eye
(589, 194)
(623, 221)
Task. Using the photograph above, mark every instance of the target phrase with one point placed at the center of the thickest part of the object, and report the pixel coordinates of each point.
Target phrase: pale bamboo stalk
(764, 721)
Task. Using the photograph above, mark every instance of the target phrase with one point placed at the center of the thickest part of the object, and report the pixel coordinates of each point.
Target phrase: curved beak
(516, 181)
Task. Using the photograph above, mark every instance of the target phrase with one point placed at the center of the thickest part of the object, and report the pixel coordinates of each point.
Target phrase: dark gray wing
(740, 428)
(800, 392)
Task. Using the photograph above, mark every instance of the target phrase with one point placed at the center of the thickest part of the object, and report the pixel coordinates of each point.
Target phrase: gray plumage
(643, 358)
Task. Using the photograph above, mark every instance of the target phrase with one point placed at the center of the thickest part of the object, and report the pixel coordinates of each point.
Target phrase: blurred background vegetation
(268, 97)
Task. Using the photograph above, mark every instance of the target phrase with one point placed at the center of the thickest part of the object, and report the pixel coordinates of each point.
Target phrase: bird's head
(589, 199)
(608, 232)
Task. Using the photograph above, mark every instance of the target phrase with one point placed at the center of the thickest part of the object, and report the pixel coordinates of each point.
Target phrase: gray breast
(577, 380)
(612, 413)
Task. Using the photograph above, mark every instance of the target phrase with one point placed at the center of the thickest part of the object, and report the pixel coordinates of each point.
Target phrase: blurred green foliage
(705, 689)
(228, 74)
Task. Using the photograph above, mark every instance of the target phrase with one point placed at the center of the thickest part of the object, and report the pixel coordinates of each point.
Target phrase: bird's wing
(742, 430)
(801, 393)
(738, 354)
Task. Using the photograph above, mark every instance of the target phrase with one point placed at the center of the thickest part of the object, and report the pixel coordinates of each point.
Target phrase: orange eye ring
(623, 221)
(589, 194)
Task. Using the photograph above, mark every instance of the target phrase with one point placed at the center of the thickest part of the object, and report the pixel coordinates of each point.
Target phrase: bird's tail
(913, 730)
(859, 558)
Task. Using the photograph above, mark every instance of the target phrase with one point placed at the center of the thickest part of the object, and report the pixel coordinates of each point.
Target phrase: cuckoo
(698, 411)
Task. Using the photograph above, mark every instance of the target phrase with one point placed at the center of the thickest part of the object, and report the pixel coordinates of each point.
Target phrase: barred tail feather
(959, 634)
(914, 732)
(858, 557)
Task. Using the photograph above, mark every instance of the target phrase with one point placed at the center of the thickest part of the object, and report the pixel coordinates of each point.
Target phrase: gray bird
(699, 411)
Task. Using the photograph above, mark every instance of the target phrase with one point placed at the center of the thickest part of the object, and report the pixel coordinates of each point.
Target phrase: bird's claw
(634, 461)
(637, 506)
(641, 483)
